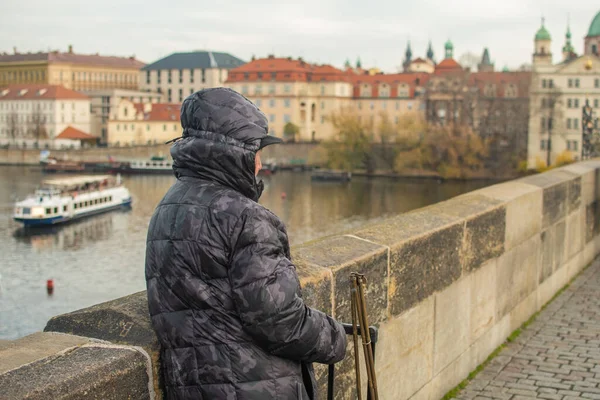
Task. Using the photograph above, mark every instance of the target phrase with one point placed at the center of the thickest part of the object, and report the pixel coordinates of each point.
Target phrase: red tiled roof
(520, 80)
(285, 70)
(160, 111)
(413, 80)
(73, 58)
(33, 92)
(75, 134)
(448, 64)
(419, 60)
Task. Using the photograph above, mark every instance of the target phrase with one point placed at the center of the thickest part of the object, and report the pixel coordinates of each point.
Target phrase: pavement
(557, 357)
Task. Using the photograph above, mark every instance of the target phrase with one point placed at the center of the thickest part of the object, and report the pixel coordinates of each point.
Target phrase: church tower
(449, 47)
(543, 41)
(568, 51)
(485, 65)
(407, 57)
(430, 55)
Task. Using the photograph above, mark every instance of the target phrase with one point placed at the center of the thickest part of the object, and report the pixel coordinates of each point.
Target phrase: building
(143, 123)
(30, 113)
(558, 93)
(495, 105)
(104, 105)
(81, 72)
(181, 74)
(293, 91)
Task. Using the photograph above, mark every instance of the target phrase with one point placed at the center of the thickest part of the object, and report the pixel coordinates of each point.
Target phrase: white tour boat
(62, 200)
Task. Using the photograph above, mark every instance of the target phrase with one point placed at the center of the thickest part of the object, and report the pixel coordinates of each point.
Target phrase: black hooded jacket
(223, 295)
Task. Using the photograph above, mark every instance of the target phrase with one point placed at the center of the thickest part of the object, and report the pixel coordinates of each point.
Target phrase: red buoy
(50, 286)
(283, 195)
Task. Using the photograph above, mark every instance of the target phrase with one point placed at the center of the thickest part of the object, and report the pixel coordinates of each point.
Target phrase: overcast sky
(323, 31)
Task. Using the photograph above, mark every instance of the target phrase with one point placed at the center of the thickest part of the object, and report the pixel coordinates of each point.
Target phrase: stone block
(490, 340)
(424, 265)
(517, 275)
(91, 371)
(523, 311)
(483, 299)
(574, 240)
(592, 220)
(523, 204)
(560, 243)
(316, 284)
(344, 255)
(574, 194)
(404, 359)
(574, 266)
(555, 198)
(484, 238)
(34, 347)
(547, 262)
(452, 323)
(125, 320)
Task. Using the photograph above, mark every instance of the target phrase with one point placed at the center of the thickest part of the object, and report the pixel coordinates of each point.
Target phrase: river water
(102, 257)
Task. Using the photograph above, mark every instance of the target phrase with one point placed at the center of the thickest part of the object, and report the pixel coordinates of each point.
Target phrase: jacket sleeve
(266, 293)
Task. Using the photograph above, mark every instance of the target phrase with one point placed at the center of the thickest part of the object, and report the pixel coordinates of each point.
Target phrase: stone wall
(286, 153)
(447, 284)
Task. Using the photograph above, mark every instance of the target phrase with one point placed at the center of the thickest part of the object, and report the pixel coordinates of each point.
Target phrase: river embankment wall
(447, 284)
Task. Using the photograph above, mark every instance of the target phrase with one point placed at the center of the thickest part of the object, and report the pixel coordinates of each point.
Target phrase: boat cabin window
(65, 208)
(109, 198)
(48, 211)
(147, 164)
(55, 210)
(75, 206)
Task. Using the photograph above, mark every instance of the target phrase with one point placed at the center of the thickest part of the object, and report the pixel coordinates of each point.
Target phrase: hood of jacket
(222, 131)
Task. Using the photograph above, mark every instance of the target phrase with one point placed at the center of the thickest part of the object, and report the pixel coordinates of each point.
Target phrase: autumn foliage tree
(351, 146)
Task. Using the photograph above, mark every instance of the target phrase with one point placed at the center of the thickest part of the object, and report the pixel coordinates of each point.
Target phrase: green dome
(542, 34)
(448, 45)
(595, 26)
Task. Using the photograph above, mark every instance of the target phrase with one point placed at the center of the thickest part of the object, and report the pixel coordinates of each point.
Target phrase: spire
(407, 58)
(568, 49)
(485, 65)
(430, 52)
(347, 64)
(358, 63)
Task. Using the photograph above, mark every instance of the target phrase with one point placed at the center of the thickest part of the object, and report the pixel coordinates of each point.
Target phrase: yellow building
(295, 91)
(143, 123)
(82, 72)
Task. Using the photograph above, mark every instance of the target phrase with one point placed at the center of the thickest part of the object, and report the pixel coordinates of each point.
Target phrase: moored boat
(63, 200)
(156, 165)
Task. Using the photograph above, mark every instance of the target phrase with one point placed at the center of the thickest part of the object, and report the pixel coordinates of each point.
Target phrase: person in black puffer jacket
(223, 294)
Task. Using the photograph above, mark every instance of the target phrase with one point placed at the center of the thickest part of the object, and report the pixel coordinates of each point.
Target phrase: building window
(577, 82)
(550, 83)
(272, 89)
(287, 88)
(258, 102)
(570, 83)
(191, 91)
(543, 124)
(258, 89)
(568, 123)
(158, 77)
(245, 89)
(372, 105)
(169, 95)
(359, 105)
(322, 105)
(118, 127)
(272, 118)
(147, 77)
(597, 83)
(272, 103)
(175, 127)
(544, 83)
(322, 120)
(192, 75)
(169, 80)
(322, 89)
(203, 75)
(147, 127)
(576, 103)
(180, 76)
(397, 105)
(569, 103)
(286, 118)
(180, 94)
(286, 103)
(542, 144)
(595, 103)
(164, 128)
(575, 123)
(409, 105)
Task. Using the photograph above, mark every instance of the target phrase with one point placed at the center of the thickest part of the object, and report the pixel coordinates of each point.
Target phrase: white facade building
(40, 112)
(558, 94)
(181, 74)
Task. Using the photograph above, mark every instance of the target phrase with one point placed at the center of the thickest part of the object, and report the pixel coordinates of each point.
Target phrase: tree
(290, 131)
(38, 125)
(13, 125)
(469, 60)
(351, 147)
(453, 153)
